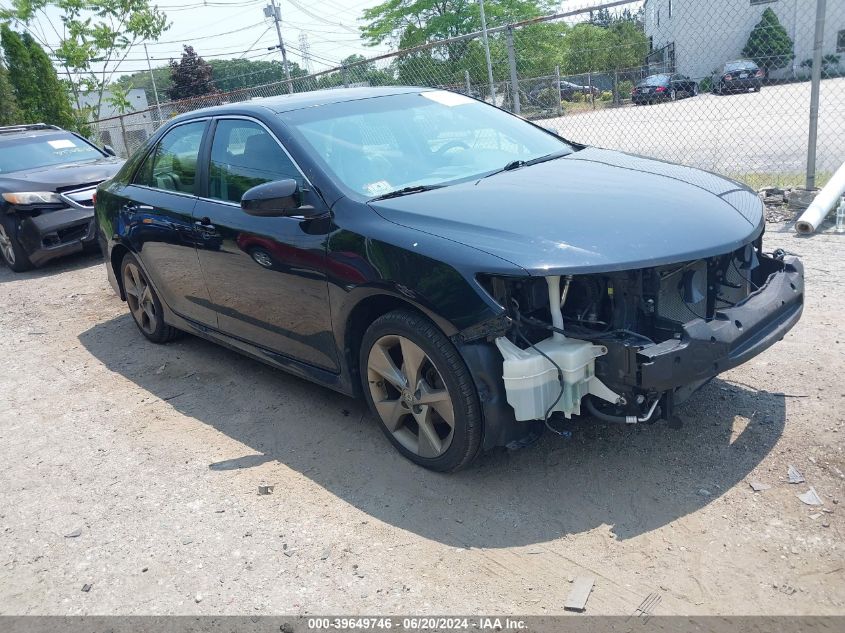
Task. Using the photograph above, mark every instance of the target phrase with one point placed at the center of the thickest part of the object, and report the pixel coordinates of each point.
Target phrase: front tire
(11, 250)
(420, 390)
(144, 304)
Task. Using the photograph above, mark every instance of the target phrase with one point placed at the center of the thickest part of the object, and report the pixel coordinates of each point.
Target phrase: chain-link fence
(723, 85)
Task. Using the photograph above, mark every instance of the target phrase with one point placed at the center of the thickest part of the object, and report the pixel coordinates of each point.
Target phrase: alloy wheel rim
(410, 396)
(6, 245)
(139, 296)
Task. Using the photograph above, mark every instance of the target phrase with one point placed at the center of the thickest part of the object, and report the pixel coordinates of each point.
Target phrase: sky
(228, 29)
(234, 28)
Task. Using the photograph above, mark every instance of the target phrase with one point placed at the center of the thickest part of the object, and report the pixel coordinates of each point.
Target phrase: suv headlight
(31, 197)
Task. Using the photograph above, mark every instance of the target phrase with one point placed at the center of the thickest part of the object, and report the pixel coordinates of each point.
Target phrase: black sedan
(568, 90)
(738, 76)
(47, 179)
(663, 87)
(474, 276)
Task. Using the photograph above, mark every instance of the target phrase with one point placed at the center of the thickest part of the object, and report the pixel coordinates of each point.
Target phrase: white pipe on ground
(822, 204)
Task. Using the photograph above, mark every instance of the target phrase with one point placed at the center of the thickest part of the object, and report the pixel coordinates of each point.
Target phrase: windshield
(655, 80)
(376, 146)
(741, 65)
(44, 150)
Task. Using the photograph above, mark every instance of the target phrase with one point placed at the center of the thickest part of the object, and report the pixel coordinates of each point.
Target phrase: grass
(758, 180)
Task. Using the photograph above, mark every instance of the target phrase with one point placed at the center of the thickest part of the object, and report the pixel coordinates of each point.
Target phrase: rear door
(267, 278)
(158, 215)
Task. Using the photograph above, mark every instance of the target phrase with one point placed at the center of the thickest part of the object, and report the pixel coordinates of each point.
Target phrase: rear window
(44, 150)
(655, 80)
(741, 65)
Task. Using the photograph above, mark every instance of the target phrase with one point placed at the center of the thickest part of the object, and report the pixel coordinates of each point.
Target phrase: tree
(191, 76)
(53, 95)
(406, 23)
(586, 50)
(627, 46)
(769, 45)
(234, 74)
(601, 17)
(19, 64)
(38, 91)
(95, 38)
(142, 80)
(9, 113)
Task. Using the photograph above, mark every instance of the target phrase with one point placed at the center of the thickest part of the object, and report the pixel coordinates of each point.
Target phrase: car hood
(61, 176)
(591, 211)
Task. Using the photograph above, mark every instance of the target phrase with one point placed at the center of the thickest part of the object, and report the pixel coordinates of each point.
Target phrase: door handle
(204, 223)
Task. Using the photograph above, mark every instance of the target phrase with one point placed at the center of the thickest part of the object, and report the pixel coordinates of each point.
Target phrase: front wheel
(420, 389)
(10, 248)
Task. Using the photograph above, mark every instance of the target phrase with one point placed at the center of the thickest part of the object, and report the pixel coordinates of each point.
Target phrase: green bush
(606, 95)
(625, 88)
(548, 98)
(769, 44)
(705, 85)
(579, 97)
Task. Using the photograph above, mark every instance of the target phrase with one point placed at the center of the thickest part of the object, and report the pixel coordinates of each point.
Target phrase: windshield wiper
(405, 191)
(516, 164)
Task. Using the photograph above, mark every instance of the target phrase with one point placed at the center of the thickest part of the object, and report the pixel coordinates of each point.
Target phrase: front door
(267, 279)
(159, 215)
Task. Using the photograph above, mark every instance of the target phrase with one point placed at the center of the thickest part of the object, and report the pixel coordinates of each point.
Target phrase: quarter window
(172, 165)
(244, 155)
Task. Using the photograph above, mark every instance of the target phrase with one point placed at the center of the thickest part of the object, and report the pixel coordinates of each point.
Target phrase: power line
(321, 18)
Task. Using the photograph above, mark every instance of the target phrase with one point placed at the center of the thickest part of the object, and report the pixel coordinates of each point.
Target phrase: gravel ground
(134, 469)
(753, 133)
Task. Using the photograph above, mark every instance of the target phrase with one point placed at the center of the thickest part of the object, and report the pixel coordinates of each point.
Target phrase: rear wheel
(10, 248)
(421, 391)
(144, 304)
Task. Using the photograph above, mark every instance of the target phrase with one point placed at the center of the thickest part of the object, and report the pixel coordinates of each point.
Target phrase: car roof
(301, 100)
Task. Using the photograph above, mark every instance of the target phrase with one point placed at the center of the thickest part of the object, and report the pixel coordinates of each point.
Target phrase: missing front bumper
(732, 337)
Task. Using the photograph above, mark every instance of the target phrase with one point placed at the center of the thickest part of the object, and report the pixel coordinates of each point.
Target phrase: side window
(172, 165)
(243, 155)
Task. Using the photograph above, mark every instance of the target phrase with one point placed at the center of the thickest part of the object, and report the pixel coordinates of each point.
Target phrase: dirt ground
(134, 468)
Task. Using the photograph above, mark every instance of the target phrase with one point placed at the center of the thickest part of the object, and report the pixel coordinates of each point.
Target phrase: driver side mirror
(273, 199)
(108, 149)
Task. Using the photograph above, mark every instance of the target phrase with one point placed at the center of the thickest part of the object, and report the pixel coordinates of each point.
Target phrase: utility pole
(153, 79)
(272, 11)
(487, 53)
(818, 43)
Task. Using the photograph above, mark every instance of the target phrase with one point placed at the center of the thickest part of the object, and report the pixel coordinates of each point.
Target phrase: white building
(124, 133)
(696, 37)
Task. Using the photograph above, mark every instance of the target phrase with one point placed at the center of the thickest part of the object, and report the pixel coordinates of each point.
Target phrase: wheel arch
(364, 312)
(118, 252)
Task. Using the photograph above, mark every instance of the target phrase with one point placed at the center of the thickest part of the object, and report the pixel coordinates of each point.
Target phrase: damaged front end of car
(628, 346)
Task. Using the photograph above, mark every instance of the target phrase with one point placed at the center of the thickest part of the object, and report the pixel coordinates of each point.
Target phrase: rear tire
(144, 304)
(11, 250)
(421, 392)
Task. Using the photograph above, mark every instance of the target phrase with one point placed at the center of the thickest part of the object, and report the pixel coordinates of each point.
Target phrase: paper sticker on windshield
(62, 143)
(450, 99)
(378, 187)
